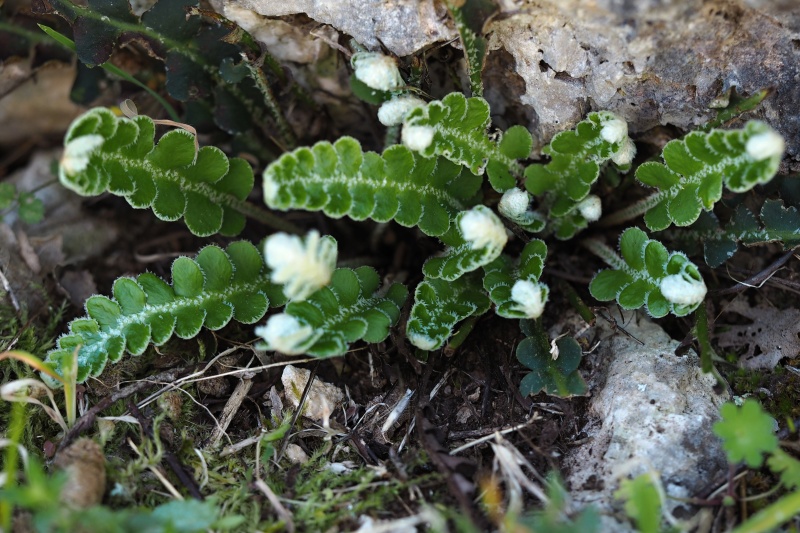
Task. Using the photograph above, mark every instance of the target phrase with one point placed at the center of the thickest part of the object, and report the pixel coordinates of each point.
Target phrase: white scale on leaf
(303, 267)
(515, 204)
(530, 297)
(481, 228)
(683, 289)
(591, 208)
(615, 130)
(765, 145)
(394, 111)
(77, 153)
(417, 138)
(377, 71)
(284, 333)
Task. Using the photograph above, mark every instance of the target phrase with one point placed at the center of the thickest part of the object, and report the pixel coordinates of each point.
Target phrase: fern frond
(576, 158)
(339, 179)
(106, 153)
(208, 291)
(439, 305)
(476, 238)
(697, 166)
(775, 223)
(455, 128)
(325, 324)
(514, 286)
(647, 275)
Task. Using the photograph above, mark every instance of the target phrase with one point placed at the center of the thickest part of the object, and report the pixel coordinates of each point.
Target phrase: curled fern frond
(106, 153)
(576, 158)
(455, 128)
(476, 238)
(697, 166)
(340, 179)
(775, 223)
(439, 305)
(325, 324)
(208, 291)
(514, 286)
(647, 275)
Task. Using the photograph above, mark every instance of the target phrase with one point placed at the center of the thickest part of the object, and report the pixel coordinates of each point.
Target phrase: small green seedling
(553, 365)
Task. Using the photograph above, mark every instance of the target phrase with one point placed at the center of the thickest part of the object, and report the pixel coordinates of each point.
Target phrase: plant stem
(701, 330)
(771, 517)
(605, 253)
(265, 217)
(15, 430)
(632, 211)
(260, 80)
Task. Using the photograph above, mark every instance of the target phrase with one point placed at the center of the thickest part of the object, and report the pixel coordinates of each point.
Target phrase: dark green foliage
(29, 208)
(208, 291)
(555, 373)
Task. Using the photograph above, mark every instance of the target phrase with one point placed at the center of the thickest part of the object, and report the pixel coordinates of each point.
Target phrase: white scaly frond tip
(529, 297)
(765, 145)
(394, 111)
(624, 156)
(514, 204)
(591, 208)
(77, 153)
(284, 333)
(615, 129)
(682, 289)
(377, 71)
(417, 138)
(423, 342)
(302, 266)
(481, 228)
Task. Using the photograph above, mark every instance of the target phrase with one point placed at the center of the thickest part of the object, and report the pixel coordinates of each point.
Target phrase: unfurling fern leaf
(207, 291)
(339, 179)
(455, 128)
(514, 285)
(327, 322)
(696, 167)
(439, 305)
(647, 275)
(104, 152)
(576, 157)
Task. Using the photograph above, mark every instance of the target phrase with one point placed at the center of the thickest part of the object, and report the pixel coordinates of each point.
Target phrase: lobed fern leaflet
(340, 179)
(208, 291)
(106, 153)
(325, 324)
(513, 285)
(439, 305)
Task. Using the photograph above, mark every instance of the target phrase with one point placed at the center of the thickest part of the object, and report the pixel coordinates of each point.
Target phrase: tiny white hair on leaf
(77, 153)
(765, 145)
(377, 71)
(284, 333)
(624, 156)
(515, 204)
(682, 289)
(591, 208)
(615, 129)
(481, 228)
(529, 297)
(302, 266)
(417, 138)
(421, 341)
(394, 111)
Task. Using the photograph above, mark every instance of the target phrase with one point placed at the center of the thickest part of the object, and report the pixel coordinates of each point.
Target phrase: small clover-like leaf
(209, 291)
(695, 168)
(642, 502)
(439, 305)
(333, 317)
(648, 275)
(339, 179)
(554, 372)
(787, 466)
(104, 152)
(746, 433)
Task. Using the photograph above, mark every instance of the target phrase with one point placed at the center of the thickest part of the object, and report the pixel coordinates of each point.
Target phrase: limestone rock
(651, 409)
(323, 398)
(653, 62)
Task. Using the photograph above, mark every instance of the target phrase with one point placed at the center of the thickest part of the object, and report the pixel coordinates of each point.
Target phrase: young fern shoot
(514, 286)
(646, 275)
(697, 166)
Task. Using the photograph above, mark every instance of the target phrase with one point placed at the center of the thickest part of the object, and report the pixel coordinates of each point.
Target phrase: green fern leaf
(208, 291)
(476, 238)
(696, 167)
(455, 128)
(107, 153)
(647, 275)
(339, 179)
(327, 322)
(439, 305)
(576, 158)
(514, 286)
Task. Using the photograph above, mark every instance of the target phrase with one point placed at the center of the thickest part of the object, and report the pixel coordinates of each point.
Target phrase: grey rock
(650, 409)
(402, 26)
(654, 62)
